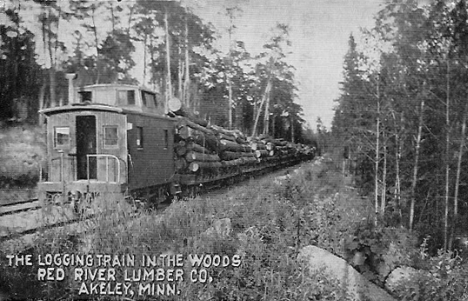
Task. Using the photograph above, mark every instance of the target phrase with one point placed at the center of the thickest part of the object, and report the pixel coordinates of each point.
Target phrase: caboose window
(166, 139)
(110, 135)
(61, 136)
(149, 99)
(139, 141)
(86, 96)
(126, 97)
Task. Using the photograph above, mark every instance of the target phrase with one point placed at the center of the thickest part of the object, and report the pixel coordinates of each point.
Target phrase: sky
(319, 32)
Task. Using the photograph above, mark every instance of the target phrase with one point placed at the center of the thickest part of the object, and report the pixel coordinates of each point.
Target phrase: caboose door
(86, 145)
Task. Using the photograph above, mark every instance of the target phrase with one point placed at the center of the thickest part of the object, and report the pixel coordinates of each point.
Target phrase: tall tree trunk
(168, 61)
(112, 18)
(447, 159)
(153, 63)
(397, 193)
(292, 129)
(416, 162)
(52, 82)
(229, 84)
(255, 108)
(42, 102)
(144, 57)
(42, 98)
(384, 177)
(259, 110)
(187, 66)
(377, 154)
(266, 117)
(457, 180)
(130, 17)
(98, 63)
(229, 71)
(180, 75)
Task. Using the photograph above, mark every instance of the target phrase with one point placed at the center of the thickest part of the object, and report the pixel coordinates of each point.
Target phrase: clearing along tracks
(22, 222)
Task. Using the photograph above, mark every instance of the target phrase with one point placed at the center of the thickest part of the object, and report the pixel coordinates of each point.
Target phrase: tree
(421, 112)
(272, 66)
(20, 75)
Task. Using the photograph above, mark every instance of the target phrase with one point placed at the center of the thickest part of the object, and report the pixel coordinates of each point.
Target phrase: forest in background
(402, 117)
(107, 41)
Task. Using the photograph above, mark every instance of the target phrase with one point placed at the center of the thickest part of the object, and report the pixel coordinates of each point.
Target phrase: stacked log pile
(200, 147)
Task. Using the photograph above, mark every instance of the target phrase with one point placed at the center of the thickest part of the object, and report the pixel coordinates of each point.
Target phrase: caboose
(113, 139)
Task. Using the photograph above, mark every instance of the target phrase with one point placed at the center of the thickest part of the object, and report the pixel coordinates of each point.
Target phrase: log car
(116, 139)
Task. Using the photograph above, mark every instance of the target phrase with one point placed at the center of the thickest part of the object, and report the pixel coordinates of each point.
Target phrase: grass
(271, 220)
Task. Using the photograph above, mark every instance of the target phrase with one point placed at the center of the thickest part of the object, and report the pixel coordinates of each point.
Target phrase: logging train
(119, 139)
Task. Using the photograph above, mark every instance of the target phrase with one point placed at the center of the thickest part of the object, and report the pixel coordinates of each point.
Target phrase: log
(281, 142)
(257, 145)
(222, 130)
(248, 154)
(198, 127)
(209, 142)
(265, 138)
(241, 140)
(240, 161)
(250, 160)
(180, 164)
(226, 137)
(180, 110)
(198, 165)
(228, 155)
(270, 146)
(180, 150)
(261, 153)
(191, 145)
(202, 138)
(185, 128)
(194, 156)
(233, 146)
(235, 162)
(239, 134)
(182, 128)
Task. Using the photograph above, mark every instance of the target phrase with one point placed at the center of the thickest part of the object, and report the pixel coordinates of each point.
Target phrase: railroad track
(20, 206)
(24, 217)
(22, 222)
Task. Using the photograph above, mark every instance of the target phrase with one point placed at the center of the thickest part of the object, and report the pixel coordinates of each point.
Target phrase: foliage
(22, 150)
(445, 278)
(20, 76)
(401, 115)
(101, 47)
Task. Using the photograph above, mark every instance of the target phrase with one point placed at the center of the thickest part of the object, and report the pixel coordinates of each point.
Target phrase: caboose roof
(119, 86)
(81, 106)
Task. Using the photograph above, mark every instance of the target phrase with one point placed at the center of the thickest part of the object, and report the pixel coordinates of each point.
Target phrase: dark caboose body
(116, 139)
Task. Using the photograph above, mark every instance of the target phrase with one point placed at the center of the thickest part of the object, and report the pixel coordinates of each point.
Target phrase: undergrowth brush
(22, 148)
(266, 224)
